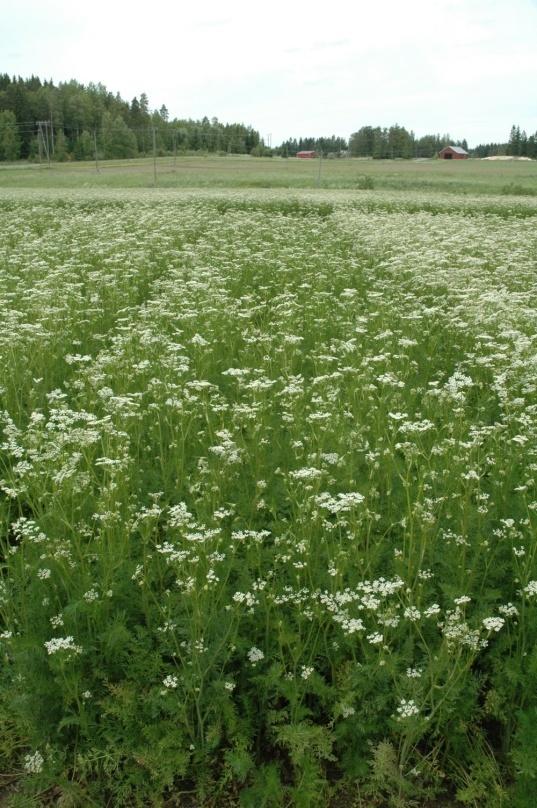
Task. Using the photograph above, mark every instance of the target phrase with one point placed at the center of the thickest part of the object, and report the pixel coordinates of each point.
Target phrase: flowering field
(267, 500)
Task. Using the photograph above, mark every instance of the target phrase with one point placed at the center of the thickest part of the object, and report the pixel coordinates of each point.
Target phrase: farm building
(453, 153)
(306, 154)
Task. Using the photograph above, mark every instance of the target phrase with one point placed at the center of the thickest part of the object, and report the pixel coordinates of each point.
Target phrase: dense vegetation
(325, 145)
(71, 113)
(518, 145)
(396, 142)
(267, 499)
(71, 121)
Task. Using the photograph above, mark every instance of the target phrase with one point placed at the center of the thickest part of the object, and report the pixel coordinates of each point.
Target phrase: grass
(464, 176)
(267, 493)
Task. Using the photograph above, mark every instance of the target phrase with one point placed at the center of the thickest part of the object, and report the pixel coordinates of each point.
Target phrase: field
(466, 176)
(267, 487)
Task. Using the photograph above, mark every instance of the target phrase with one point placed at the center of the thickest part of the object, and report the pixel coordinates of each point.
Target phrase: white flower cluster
(33, 764)
(413, 673)
(257, 536)
(27, 529)
(342, 503)
(227, 450)
(462, 600)
(493, 623)
(407, 709)
(180, 516)
(57, 644)
(457, 631)
(245, 597)
(306, 671)
(306, 473)
(172, 554)
(531, 589)
(350, 625)
(255, 655)
(508, 610)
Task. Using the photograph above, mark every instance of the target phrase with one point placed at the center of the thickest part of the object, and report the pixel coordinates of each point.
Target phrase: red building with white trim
(453, 153)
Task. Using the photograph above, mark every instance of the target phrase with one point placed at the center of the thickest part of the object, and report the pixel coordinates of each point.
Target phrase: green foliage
(75, 110)
(116, 138)
(524, 748)
(10, 144)
(387, 779)
(366, 183)
(266, 789)
(480, 780)
(267, 514)
(326, 146)
(515, 189)
(395, 142)
(60, 147)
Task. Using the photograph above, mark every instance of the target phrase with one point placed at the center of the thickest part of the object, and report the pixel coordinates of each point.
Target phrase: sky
(464, 67)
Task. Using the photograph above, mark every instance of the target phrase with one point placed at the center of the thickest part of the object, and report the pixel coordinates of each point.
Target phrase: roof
(456, 149)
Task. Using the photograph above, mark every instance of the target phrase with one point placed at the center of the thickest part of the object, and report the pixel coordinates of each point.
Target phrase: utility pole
(43, 141)
(95, 149)
(174, 151)
(320, 168)
(155, 156)
(51, 133)
(40, 146)
(48, 144)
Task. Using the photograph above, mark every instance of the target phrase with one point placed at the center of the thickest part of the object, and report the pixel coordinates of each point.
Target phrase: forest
(73, 121)
(398, 142)
(76, 118)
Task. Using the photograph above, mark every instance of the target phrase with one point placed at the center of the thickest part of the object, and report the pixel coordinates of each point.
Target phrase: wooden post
(95, 149)
(155, 156)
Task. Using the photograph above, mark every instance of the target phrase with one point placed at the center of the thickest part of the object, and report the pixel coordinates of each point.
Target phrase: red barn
(453, 153)
(306, 154)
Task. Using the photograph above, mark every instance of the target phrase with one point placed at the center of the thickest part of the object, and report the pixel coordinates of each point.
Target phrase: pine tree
(84, 146)
(117, 139)
(10, 144)
(514, 141)
(60, 146)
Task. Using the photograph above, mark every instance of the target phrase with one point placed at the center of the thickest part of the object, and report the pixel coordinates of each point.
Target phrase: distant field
(470, 176)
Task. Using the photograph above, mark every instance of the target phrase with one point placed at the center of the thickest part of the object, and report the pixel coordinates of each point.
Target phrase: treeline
(332, 145)
(395, 141)
(71, 119)
(519, 145)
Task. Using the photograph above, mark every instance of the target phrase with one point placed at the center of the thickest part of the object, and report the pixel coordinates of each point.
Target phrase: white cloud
(463, 66)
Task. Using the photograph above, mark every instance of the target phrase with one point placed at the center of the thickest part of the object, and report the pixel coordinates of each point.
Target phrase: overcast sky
(467, 67)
